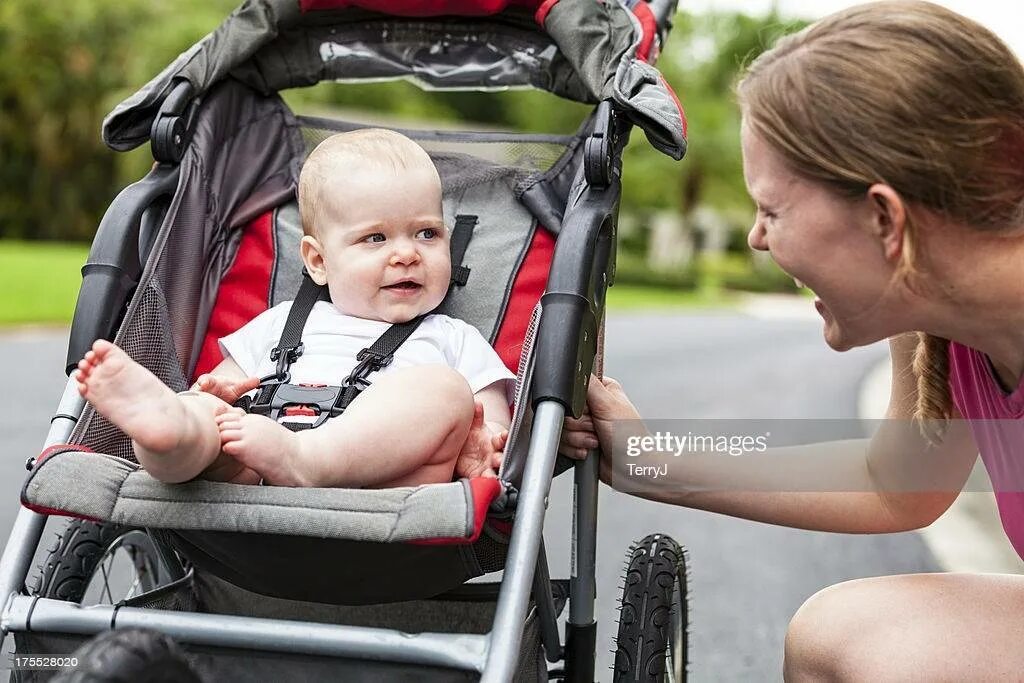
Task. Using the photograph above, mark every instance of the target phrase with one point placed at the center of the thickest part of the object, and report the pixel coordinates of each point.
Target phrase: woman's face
(837, 247)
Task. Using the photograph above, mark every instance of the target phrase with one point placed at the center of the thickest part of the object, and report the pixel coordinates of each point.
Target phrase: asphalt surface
(747, 579)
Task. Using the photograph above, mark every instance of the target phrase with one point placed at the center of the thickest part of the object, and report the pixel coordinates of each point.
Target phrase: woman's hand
(607, 404)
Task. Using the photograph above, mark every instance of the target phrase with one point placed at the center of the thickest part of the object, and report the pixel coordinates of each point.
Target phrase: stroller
(271, 583)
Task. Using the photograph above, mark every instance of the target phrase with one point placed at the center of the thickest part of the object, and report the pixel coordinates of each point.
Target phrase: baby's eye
(427, 233)
(375, 237)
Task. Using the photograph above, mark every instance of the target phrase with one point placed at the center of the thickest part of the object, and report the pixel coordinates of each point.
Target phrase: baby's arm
(481, 455)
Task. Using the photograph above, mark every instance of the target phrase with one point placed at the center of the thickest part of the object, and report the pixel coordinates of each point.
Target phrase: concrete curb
(969, 536)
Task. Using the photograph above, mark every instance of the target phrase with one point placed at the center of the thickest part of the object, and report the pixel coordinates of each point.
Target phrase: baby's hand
(481, 454)
(227, 390)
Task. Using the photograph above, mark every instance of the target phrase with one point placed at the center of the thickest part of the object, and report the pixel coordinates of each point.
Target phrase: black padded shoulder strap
(289, 348)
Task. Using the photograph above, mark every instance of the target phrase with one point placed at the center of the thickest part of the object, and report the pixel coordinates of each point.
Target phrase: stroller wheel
(654, 617)
(129, 656)
(95, 563)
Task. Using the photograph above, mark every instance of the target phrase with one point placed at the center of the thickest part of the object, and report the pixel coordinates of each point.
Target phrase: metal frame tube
(513, 599)
(28, 527)
(545, 602)
(581, 625)
(460, 651)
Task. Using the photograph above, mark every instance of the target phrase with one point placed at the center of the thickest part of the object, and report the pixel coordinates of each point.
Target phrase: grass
(39, 281)
(634, 297)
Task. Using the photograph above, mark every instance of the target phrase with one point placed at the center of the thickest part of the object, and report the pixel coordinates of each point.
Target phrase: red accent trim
(61, 448)
(312, 386)
(527, 288)
(483, 490)
(243, 292)
(682, 114)
(59, 513)
(421, 8)
(543, 10)
(649, 25)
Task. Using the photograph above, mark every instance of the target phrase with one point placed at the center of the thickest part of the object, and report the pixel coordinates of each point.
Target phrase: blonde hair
(345, 153)
(912, 95)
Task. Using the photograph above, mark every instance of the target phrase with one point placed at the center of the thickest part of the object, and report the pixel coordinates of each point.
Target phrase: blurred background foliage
(65, 65)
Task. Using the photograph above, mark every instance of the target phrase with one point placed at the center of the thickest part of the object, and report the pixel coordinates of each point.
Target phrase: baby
(370, 202)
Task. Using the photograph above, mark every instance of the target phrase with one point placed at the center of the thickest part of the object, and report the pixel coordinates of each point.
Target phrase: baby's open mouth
(405, 285)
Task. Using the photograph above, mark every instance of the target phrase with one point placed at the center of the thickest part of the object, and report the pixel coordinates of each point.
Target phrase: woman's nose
(756, 238)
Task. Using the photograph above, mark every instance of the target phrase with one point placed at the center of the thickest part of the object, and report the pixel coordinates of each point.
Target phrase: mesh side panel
(521, 406)
(146, 337)
(529, 153)
(491, 550)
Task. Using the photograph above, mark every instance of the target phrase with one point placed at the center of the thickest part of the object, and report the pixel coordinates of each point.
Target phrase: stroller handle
(116, 260)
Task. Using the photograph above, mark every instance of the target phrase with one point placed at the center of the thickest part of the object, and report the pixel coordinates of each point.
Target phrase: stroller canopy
(582, 50)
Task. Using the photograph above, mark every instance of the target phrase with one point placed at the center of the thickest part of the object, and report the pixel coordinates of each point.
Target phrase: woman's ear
(888, 219)
(313, 259)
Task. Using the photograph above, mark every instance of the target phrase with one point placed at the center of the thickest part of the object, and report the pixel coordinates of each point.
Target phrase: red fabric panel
(421, 8)
(483, 490)
(542, 11)
(529, 284)
(243, 292)
(650, 28)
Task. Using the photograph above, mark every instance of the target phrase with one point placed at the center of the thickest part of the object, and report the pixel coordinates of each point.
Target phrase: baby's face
(384, 243)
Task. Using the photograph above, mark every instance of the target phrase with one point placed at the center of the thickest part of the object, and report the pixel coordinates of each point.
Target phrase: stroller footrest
(104, 487)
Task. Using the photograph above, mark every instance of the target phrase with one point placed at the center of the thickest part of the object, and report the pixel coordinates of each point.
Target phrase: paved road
(747, 578)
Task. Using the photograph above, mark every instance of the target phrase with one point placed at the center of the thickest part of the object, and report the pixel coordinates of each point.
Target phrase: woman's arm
(891, 482)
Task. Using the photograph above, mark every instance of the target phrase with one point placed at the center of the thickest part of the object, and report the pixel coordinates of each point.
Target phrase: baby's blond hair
(346, 153)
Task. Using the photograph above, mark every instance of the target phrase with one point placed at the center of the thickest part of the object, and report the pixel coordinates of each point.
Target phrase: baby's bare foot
(263, 445)
(131, 397)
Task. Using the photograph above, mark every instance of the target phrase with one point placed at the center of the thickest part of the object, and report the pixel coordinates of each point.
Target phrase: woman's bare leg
(915, 627)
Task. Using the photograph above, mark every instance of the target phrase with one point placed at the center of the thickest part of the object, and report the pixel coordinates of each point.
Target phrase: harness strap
(290, 346)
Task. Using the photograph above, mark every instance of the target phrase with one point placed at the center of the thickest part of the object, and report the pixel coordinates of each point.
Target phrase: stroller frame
(581, 269)
(587, 237)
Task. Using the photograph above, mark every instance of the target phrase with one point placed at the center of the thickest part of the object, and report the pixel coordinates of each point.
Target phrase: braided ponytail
(934, 403)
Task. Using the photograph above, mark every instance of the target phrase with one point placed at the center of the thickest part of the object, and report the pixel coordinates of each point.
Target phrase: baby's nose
(404, 253)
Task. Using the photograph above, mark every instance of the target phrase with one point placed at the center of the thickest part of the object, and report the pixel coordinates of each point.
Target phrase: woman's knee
(827, 639)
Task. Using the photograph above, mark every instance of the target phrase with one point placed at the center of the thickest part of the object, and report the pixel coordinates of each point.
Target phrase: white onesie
(332, 340)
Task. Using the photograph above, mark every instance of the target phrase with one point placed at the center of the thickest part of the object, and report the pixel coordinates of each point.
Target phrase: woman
(884, 148)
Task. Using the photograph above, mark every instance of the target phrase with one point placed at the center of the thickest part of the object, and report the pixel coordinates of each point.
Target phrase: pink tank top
(997, 422)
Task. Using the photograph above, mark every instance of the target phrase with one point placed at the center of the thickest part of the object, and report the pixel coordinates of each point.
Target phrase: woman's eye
(375, 237)
(427, 233)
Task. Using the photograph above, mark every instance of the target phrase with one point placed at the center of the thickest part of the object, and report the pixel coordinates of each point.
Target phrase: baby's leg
(175, 437)
(407, 428)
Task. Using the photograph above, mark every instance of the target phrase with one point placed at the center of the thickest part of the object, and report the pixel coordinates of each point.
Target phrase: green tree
(64, 66)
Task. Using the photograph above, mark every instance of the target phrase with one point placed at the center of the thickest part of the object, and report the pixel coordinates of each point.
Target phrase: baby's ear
(313, 259)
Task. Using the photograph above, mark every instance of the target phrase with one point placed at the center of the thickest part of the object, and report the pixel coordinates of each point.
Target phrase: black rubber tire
(67, 570)
(130, 656)
(654, 616)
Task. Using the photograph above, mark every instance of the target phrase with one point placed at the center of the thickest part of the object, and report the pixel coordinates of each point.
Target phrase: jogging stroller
(273, 583)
